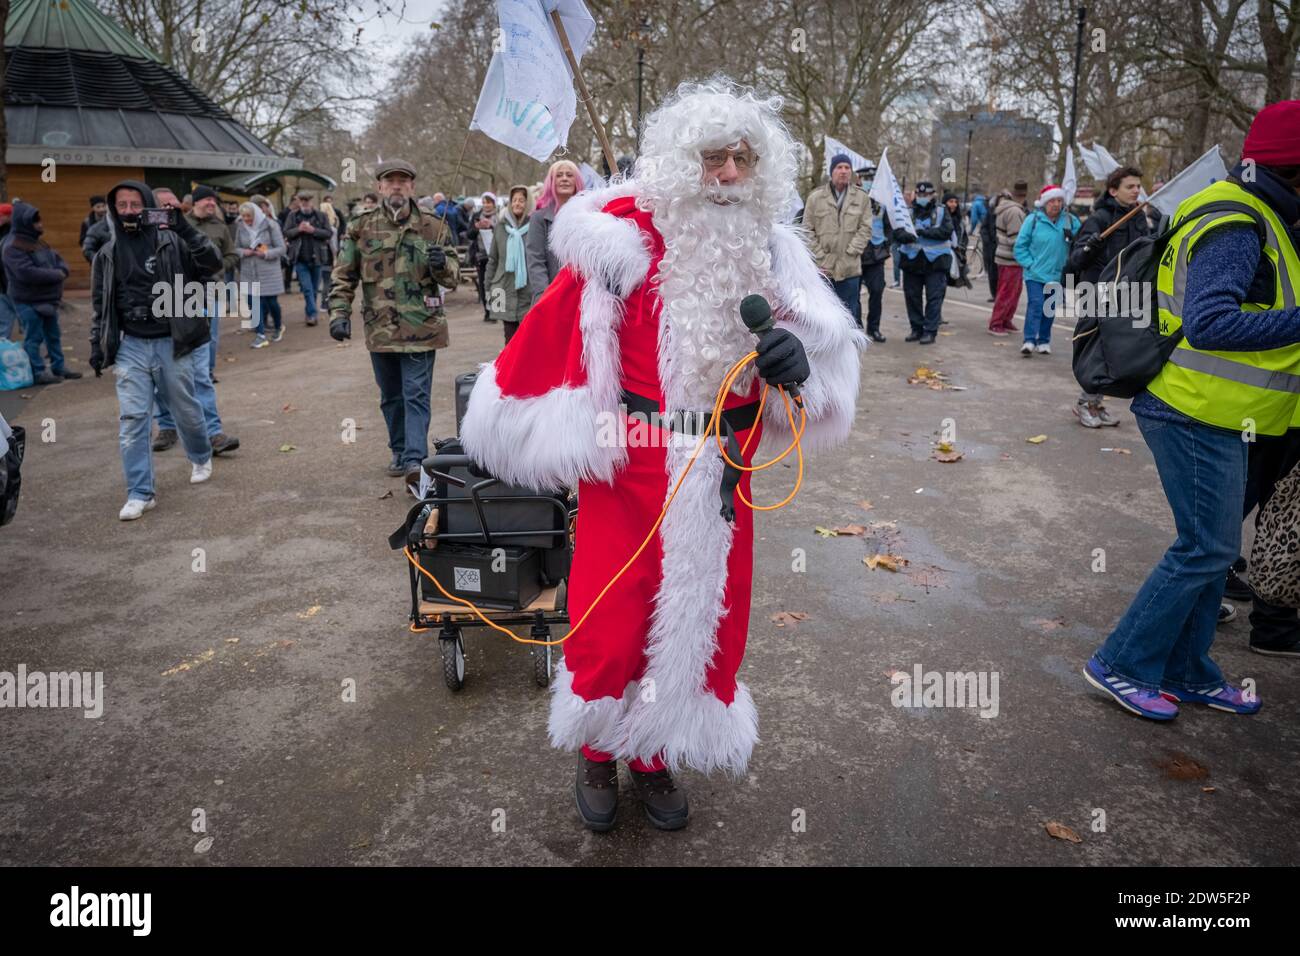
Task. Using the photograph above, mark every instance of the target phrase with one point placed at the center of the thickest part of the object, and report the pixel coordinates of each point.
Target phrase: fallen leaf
(232, 640)
(1052, 625)
(945, 446)
(824, 532)
(865, 505)
(947, 333)
(1118, 451)
(1207, 790)
(386, 494)
(782, 618)
(890, 562)
(948, 456)
(1004, 457)
(289, 408)
(1037, 439)
(850, 529)
(1179, 766)
(287, 447)
(187, 665)
(1062, 832)
(310, 612)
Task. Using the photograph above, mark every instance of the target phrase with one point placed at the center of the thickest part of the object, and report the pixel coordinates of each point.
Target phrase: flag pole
(584, 92)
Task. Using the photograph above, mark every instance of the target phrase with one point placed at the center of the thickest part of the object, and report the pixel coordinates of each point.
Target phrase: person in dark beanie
(34, 275)
(98, 210)
(838, 217)
(1229, 285)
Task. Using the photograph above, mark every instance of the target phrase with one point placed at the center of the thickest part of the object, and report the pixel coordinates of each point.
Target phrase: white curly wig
(716, 238)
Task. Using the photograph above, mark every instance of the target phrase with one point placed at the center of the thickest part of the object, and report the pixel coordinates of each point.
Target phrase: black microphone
(756, 313)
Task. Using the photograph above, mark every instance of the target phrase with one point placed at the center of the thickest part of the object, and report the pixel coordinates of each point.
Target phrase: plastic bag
(15, 366)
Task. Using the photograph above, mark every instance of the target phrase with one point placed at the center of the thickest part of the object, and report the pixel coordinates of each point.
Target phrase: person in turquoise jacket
(1041, 249)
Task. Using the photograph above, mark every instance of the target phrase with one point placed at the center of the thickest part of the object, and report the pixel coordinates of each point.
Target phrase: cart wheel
(543, 661)
(453, 659)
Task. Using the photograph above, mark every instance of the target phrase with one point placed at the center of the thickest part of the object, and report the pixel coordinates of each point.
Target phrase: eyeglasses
(717, 158)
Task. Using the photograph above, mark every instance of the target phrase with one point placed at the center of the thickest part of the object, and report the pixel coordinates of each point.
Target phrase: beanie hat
(840, 158)
(1274, 137)
(96, 200)
(204, 192)
(1049, 192)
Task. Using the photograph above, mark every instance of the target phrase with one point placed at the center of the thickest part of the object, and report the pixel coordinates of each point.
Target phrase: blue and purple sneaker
(1224, 697)
(1145, 703)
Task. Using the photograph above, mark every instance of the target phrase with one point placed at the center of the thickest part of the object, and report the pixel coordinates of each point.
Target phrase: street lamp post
(1078, 63)
(640, 76)
(970, 134)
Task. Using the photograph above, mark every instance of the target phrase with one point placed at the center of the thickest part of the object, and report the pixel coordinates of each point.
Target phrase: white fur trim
(1049, 193)
(816, 315)
(602, 248)
(574, 721)
(552, 441)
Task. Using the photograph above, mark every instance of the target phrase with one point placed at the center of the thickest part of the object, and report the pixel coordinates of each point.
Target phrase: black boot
(665, 805)
(596, 790)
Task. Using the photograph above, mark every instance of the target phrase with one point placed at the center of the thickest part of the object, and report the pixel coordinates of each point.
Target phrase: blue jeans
(203, 359)
(141, 366)
(1164, 638)
(1039, 314)
(266, 306)
(405, 381)
(8, 317)
(850, 293)
(309, 281)
(38, 328)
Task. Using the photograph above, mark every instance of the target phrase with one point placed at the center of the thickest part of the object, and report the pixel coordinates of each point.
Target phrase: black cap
(925, 188)
(203, 192)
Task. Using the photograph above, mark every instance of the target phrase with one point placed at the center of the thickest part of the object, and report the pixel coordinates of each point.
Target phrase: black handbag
(1120, 354)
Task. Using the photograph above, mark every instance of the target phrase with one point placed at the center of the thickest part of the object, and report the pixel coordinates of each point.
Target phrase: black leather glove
(340, 329)
(903, 237)
(437, 258)
(1091, 246)
(97, 360)
(781, 358)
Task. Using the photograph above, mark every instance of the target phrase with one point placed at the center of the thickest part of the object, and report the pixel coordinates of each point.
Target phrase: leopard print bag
(1275, 556)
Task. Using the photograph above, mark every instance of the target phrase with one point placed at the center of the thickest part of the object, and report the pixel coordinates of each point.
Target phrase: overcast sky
(393, 34)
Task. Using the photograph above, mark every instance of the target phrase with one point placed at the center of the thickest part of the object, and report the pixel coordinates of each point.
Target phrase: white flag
(590, 178)
(1206, 170)
(527, 101)
(1071, 182)
(833, 146)
(885, 190)
(1101, 164)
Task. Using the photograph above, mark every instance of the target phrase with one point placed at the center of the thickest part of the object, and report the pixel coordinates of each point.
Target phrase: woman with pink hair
(563, 182)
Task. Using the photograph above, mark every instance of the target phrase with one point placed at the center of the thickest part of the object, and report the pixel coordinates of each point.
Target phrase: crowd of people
(1228, 287)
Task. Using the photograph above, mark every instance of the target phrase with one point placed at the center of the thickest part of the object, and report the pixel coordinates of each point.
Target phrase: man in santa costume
(644, 316)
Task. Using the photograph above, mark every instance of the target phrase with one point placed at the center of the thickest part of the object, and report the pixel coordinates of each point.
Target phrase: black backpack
(1120, 354)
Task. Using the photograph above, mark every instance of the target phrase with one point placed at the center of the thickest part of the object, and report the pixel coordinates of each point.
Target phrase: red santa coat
(653, 671)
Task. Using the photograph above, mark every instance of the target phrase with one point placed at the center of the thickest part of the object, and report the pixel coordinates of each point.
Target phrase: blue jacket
(34, 272)
(978, 210)
(1043, 246)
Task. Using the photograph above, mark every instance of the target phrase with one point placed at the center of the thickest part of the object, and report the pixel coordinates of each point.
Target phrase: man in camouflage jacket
(396, 253)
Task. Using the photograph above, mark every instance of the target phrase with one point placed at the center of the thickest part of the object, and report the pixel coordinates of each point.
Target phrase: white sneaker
(201, 473)
(135, 507)
(1044, 349)
(1027, 348)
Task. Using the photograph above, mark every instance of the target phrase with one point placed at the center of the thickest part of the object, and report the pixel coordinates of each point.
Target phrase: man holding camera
(130, 327)
(396, 252)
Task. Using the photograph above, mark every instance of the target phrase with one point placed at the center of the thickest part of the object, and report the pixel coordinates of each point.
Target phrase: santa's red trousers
(608, 652)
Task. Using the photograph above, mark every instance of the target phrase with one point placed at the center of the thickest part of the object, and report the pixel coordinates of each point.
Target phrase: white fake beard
(715, 255)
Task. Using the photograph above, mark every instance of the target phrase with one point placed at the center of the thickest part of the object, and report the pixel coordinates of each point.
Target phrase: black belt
(736, 419)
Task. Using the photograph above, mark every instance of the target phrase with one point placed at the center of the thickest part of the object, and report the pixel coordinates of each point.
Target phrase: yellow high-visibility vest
(1247, 391)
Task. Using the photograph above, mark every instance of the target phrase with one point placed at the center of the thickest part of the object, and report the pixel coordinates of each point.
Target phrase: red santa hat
(1049, 192)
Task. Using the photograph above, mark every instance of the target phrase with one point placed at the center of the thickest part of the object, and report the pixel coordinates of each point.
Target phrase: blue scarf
(515, 260)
